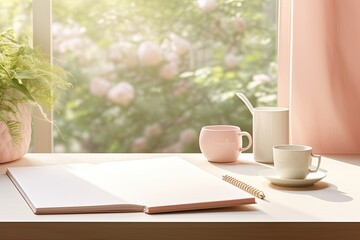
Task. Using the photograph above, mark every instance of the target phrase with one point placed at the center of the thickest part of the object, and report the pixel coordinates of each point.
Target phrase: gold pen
(246, 187)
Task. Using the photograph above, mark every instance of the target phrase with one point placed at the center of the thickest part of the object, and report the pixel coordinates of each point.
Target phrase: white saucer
(274, 178)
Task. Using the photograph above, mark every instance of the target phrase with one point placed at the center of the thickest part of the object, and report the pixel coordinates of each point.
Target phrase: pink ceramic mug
(222, 143)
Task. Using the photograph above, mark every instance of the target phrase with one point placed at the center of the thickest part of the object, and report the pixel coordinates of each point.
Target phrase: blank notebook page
(156, 182)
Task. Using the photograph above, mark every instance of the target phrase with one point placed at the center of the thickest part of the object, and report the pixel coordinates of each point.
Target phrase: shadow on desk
(332, 194)
(350, 159)
(243, 167)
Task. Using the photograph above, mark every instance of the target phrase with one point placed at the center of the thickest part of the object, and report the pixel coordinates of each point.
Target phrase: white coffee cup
(294, 161)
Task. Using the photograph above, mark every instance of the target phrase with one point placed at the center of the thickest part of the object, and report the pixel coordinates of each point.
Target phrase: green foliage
(203, 91)
(25, 77)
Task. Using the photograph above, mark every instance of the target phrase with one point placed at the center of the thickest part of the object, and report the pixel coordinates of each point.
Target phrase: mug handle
(318, 165)
(246, 134)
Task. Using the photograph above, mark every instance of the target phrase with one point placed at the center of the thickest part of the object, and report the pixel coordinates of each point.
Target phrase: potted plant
(27, 80)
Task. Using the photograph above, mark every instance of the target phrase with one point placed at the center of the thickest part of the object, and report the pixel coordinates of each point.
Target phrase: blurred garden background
(148, 74)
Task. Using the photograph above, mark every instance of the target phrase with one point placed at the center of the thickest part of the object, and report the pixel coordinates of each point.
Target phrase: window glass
(149, 74)
(16, 14)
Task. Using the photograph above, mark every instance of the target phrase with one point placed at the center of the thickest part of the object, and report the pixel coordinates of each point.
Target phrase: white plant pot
(10, 151)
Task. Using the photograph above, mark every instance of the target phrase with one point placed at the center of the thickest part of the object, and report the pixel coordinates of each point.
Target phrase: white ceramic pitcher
(270, 128)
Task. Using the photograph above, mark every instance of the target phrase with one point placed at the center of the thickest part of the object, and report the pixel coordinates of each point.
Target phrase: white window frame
(42, 17)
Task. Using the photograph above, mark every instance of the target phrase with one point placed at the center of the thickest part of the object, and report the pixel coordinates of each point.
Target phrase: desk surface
(334, 199)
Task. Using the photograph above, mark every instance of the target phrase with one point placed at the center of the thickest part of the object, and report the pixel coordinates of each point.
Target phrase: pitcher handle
(246, 134)
(246, 101)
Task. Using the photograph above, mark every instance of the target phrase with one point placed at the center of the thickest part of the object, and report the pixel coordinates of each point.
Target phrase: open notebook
(152, 185)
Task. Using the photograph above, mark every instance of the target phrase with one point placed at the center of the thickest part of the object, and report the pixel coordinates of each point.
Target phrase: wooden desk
(330, 208)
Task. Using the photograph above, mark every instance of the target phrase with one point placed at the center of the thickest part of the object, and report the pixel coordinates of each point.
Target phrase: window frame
(41, 21)
(285, 43)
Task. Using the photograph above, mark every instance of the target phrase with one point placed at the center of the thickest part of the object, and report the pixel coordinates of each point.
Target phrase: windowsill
(334, 199)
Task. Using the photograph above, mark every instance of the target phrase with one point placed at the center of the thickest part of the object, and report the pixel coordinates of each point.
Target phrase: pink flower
(150, 54)
(180, 88)
(130, 60)
(207, 5)
(180, 46)
(122, 93)
(261, 78)
(105, 68)
(99, 87)
(239, 25)
(153, 130)
(169, 71)
(172, 57)
(188, 136)
(123, 52)
(174, 148)
(231, 60)
(180, 121)
(139, 145)
(118, 50)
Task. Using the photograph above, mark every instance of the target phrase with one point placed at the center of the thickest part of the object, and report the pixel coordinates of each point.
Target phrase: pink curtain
(324, 90)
